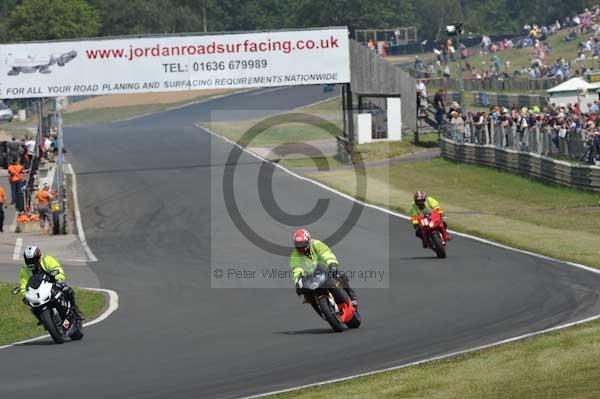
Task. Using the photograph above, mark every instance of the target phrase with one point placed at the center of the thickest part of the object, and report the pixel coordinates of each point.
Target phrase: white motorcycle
(52, 307)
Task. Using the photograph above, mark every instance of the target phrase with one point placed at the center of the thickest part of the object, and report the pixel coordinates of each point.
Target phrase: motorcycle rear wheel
(329, 314)
(50, 325)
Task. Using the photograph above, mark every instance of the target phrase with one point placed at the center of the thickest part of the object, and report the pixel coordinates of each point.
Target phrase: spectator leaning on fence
(440, 107)
(578, 129)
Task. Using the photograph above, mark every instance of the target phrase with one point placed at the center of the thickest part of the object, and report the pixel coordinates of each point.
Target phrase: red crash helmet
(301, 239)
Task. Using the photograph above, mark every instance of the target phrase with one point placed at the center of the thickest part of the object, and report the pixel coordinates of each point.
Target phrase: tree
(49, 20)
(356, 14)
(146, 17)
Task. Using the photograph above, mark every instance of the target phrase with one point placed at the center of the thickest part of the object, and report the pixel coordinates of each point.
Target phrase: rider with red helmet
(423, 202)
(310, 253)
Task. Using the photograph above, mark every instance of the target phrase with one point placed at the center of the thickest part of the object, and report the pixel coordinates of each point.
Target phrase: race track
(151, 198)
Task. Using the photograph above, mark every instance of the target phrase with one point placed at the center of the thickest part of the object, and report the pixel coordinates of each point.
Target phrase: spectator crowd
(18, 157)
(579, 130)
(584, 27)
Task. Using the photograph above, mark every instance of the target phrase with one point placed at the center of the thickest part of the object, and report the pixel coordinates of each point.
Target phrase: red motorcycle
(433, 232)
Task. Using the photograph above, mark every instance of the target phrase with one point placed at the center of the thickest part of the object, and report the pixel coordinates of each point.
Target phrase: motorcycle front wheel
(436, 242)
(51, 326)
(355, 321)
(330, 315)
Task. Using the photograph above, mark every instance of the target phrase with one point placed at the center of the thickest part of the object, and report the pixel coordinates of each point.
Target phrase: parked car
(6, 113)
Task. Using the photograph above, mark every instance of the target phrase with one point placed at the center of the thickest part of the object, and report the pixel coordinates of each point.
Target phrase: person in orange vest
(43, 198)
(16, 177)
(2, 202)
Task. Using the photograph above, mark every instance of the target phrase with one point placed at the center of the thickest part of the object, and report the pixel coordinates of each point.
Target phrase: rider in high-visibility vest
(310, 253)
(36, 263)
(422, 202)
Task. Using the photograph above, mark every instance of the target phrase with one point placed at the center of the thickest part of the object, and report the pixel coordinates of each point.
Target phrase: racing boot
(352, 295)
(448, 237)
(78, 313)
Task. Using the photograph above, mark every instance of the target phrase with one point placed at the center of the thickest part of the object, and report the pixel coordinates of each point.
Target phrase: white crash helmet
(32, 255)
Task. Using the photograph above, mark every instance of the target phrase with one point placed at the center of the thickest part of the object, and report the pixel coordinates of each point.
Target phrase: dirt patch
(122, 100)
(7, 135)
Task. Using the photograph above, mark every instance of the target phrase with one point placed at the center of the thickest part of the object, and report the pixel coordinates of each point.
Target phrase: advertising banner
(175, 63)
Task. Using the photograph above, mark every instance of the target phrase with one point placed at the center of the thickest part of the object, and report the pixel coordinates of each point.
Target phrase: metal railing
(569, 144)
(518, 84)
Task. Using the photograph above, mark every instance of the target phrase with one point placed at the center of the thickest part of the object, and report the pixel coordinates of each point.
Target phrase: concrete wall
(523, 163)
(373, 75)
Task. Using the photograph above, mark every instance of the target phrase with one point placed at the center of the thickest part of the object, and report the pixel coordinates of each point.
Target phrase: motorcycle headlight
(431, 225)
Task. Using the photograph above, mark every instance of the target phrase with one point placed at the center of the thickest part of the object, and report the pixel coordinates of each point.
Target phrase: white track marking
(258, 93)
(18, 247)
(399, 215)
(80, 232)
(113, 304)
(318, 102)
(75, 260)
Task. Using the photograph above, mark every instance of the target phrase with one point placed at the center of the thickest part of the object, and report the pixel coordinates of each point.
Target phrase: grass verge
(330, 111)
(371, 152)
(18, 323)
(557, 365)
(552, 220)
(103, 115)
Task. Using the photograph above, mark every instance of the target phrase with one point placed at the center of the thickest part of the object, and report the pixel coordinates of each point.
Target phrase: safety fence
(568, 144)
(519, 84)
(583, 177)
(486, 99)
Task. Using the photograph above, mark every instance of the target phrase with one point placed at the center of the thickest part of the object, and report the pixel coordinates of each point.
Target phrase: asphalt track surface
(152, 205)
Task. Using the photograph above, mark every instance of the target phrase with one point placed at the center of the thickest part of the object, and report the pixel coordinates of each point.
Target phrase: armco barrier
(527, 164)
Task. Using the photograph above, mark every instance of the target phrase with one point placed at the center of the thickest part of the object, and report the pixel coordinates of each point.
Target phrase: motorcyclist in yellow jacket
(35, 263)
(423, 202)
(310, 253)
